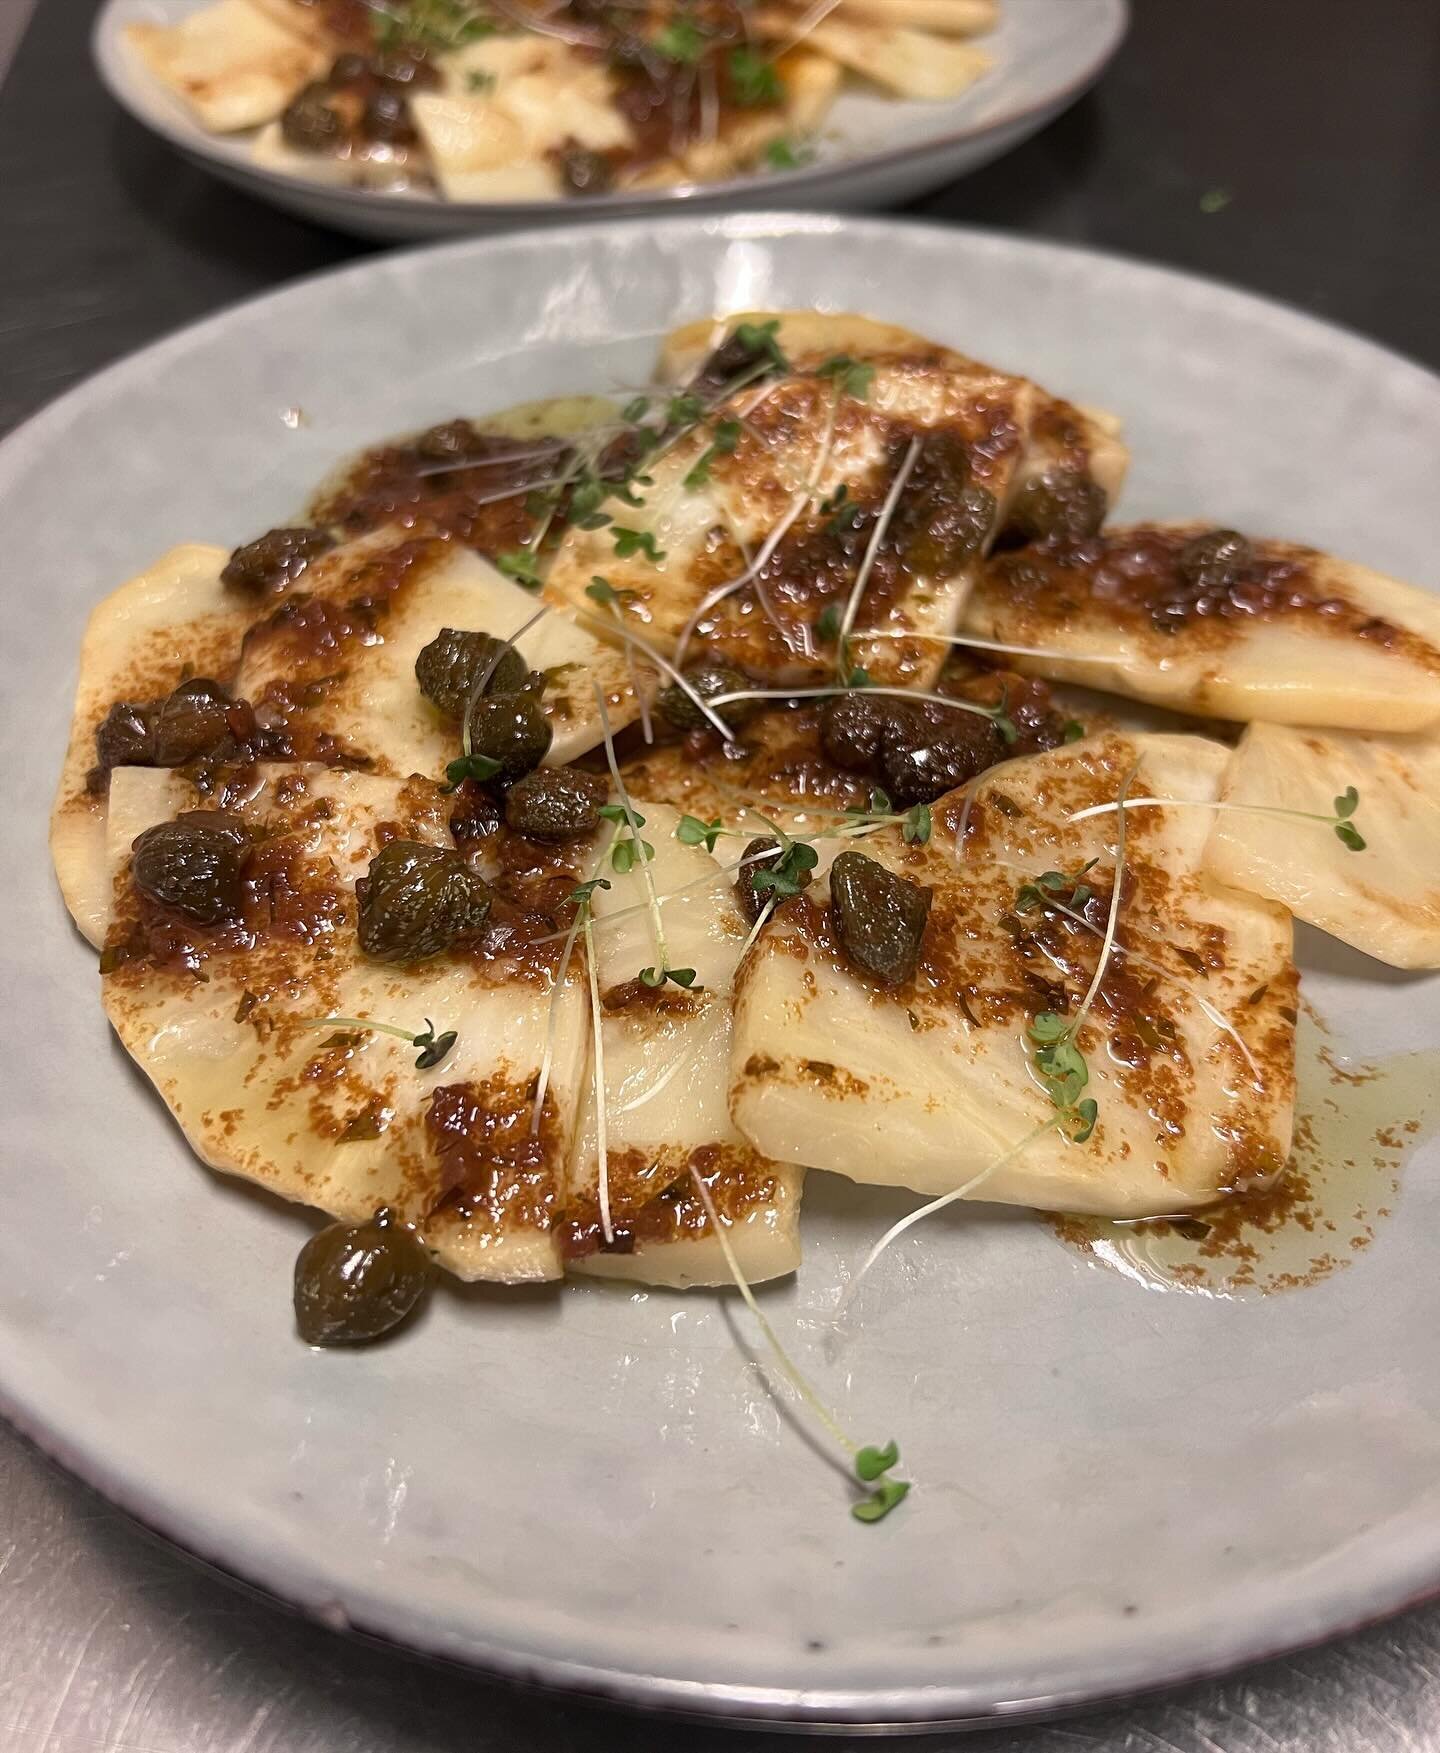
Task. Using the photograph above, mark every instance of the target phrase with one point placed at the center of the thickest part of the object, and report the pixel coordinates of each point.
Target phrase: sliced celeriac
(1384, 900)
(927, 1085)
(1297, 637)
(911, 63)
(221, 1020)
(665, 1053)
(172, 620)
(230, 63)
(339, 661)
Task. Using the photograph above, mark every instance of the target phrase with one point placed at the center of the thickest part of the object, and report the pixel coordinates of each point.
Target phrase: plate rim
(904, 1709)
(106, 50)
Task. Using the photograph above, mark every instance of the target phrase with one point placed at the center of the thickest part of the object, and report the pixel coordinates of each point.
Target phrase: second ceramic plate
(875, 151)
(589, 1487)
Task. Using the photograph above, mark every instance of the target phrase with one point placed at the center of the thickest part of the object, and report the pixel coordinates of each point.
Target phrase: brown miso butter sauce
(1356, 1125)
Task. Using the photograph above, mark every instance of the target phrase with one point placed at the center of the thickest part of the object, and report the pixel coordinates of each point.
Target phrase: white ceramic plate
(875, 152)
(589, 1487)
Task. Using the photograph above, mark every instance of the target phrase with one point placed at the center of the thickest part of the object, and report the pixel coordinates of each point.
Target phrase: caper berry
(355, 1282)
(921, 761)
(763, 853)
(879, 917)
(708, 680)
(555, 803)
(449, 667)
(511, 729)
(450, 439)
(194, 721)
(125, 737)
(309, 124)
(1215, 561)
(955, 530)
(1064, 504)
(386, 117)
(193, 864)
(275, 560)
(854, 728)
(583, 172)
(416, 901)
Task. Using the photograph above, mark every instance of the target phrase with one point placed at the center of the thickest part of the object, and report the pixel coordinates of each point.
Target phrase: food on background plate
(581, 822)
(504, 100)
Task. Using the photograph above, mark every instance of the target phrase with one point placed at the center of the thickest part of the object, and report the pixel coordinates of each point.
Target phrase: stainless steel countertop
(1318, 118)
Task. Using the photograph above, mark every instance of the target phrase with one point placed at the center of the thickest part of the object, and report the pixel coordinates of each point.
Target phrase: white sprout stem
(597, 1020)
(482, 681)
(789, 1368)
(670, 895)
(877, 535)
(647, 729)
(897, 1230)
(547, 1059)
(1107, 945)
(968, 641)
(709, 103)
(810, 21)
(755, 930)
(798, 503)
(834, 690)
(642, 858)
(1198, 803)
(360, 1022)
(664, 665)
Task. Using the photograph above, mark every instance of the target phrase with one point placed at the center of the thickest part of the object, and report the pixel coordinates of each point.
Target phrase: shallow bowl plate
(875, 150)
(590, 1488)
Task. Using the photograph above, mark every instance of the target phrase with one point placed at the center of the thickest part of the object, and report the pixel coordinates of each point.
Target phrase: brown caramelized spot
(491, 1164)
(653, 1201)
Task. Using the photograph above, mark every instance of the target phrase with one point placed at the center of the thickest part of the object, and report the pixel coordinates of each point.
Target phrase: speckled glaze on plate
(874, 151)
(589, 1488)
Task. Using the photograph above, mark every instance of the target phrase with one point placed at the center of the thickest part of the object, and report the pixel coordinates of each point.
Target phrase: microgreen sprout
(1339, 823)
(762, 338)
(754, 83)
(693, 832)
(656, 977)
(640, 852)
(635, 411)
(853, 378)
(631, 850)
(787, 154)
(600, 590)
(724, 436)
(869, 1462)
(480, 767)
(681, 40)
(433, 1048)
(1050, 885)
(629, 542)
(519, 564)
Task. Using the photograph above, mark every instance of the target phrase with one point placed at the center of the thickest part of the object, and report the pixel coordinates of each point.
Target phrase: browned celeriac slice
(958, 18)
(665, 1056)
(505, 104)
(809, 83)
(230, 63)
(172, 620)
(1059, 437)
(336, 659)
(911, 63)
(1189, 1043)
(922, 426)
(1295, 637)
(1385, 900)
(217, 1017)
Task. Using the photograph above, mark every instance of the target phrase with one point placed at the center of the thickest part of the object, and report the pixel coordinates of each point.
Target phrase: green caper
(879, 917)
(854, 728)
(194, 721)
(309, 124)
(193, 864)
(416, 901)
(451, 665)
(1064, 504)
(555, 803)
(708, 680)
(511, 729)
(955, 530)
(1215, 561)
(922, 760)
(274, 561)
(357, 1281)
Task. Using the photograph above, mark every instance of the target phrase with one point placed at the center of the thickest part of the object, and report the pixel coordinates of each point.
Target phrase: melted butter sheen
(1356, 1126)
